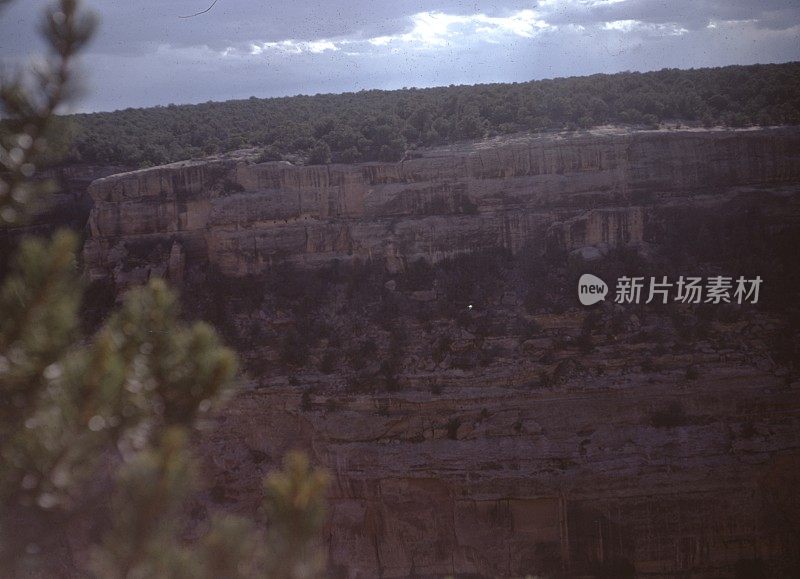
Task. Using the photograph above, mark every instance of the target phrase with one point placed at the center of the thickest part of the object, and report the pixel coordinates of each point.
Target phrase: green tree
(320, 154)
(80, 413)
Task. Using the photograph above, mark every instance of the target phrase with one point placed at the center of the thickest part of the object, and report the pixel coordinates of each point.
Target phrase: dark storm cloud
(145, 54)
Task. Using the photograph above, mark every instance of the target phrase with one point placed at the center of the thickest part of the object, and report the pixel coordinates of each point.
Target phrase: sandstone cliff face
(550, 483)
(575, 191)
(535, 442)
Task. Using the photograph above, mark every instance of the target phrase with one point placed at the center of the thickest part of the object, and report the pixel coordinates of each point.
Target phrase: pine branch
(66, 30)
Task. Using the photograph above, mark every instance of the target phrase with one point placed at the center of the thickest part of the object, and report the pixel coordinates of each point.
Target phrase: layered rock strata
(581, 190)
(644, 449)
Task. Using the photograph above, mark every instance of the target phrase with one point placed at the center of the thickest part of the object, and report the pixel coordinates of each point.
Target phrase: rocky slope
(477, 420)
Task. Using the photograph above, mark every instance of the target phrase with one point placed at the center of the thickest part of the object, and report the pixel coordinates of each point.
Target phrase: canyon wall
(582, 190)
(513, 438)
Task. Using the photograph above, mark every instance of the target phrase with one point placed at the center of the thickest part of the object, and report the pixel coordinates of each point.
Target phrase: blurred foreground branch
(75, 409)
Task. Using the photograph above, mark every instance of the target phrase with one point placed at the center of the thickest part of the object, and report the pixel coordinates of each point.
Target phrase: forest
(385, 125)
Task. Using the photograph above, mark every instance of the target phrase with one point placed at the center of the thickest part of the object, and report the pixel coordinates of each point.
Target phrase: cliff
(476, 419)
(585, 190)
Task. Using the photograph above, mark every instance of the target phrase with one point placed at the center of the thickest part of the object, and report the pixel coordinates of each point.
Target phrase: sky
(145, 53)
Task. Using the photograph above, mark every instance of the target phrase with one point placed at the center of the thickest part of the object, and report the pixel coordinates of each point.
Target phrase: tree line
(384, 125)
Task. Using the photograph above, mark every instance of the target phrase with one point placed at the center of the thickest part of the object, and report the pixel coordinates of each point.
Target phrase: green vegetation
(670, 416)
(384, 125)
(358, 321)
(96, 432)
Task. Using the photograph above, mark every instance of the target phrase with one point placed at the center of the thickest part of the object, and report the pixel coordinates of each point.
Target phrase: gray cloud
(690, 14)
(136, 26)
(145, 54)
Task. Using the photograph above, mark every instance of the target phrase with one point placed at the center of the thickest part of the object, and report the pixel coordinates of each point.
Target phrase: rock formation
(579, 191)
(511, 438)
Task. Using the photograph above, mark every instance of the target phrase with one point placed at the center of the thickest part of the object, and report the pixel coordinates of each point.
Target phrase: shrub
(328, 362)
(452, 428)
(671, 416)
(269, 153)
(320, 154)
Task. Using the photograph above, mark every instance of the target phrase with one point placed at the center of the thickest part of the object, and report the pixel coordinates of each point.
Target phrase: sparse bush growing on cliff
(452, 428)
(488, 355)
(328, 362)
(545, 380)
(785, 345)
(614, 569)
(419, 275)
(591, 321)
(585, 343)
(465, 361)
(468, 279)
(649, 365)
(362, 354)
(751, 569)
(294, 349)
(671, 416)
(527, 329)
(441, 348)
(305, 400)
